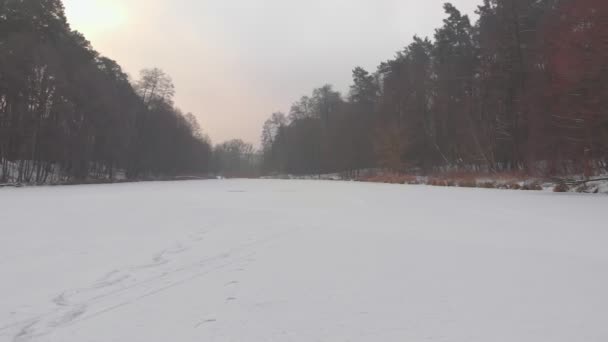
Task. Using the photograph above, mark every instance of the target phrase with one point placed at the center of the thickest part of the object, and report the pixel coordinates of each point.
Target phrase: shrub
(438, 182)
(467, 184)
(561, 187)
(488, 185)
(532, 187)
(514, 186)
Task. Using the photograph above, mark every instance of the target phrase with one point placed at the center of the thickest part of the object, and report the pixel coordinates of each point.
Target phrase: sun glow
(96, 16)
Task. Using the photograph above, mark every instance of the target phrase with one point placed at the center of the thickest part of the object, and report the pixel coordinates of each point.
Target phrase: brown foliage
(508, 181)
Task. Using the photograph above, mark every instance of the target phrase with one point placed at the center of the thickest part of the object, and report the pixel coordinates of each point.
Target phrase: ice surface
(263, 260)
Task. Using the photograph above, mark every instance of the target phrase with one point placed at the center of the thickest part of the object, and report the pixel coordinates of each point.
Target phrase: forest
(69, 114)
(523, 89)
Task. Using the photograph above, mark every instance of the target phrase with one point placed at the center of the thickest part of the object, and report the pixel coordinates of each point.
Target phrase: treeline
(69, 114)
(525, 88)
(236, 158)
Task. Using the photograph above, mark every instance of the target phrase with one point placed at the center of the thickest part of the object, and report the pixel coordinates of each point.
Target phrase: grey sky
(234, 62)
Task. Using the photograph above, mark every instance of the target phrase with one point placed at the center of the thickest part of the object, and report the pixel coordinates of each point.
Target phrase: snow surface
(247, 260)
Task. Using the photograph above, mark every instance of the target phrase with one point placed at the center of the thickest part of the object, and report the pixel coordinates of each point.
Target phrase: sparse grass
(391, 179)
(467, 183)
(487, 185)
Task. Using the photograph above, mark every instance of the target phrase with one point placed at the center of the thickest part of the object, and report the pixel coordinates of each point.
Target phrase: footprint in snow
(208, 321)
(60, 300)
(179, 248)
(70, 316)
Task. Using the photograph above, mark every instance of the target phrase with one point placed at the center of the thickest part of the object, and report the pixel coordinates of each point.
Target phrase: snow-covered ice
(263, 260)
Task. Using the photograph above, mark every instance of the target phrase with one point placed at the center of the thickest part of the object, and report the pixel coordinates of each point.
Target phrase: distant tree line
(236, 158)
(68, 112)
(525, 88)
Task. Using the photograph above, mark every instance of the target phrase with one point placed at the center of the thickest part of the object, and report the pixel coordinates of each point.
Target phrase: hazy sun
(96, 16)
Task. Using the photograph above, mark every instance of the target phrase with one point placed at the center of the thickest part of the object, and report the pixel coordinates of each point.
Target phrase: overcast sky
(234, 62)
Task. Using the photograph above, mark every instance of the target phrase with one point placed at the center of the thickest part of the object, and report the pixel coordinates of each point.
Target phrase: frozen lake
(262, 260)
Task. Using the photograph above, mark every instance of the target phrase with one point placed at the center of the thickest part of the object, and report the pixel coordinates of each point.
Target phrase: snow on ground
(247, 260)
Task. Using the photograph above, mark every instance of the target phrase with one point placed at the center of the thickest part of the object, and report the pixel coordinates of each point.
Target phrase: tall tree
(69, 114)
